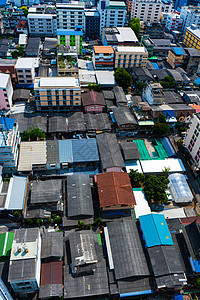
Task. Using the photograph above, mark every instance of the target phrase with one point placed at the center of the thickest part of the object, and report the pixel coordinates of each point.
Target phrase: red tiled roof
(189, 220)
(103, 49)
(93, 98)
(114, 188)
(22, 24)
(51, 272)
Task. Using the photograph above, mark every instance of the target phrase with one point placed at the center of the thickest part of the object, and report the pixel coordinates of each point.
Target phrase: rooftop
(103, 49)
(48, 191)
(132, 49)
(130, 150)
(56, 82)
(26, 63)
(93, 98)
(52, 244)
(4, 80)
(123, 116)
(69, 32)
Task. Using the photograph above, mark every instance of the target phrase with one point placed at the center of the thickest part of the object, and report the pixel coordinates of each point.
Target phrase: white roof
(26, 62)
(22, 39)
(58, 82)
(134, 165)
(157, 165)
(131, 49)
(126, 34)
(31, 153)
(40, 16)
(105, 78)
(4, 80)
(16, 193)
(173, 213)
(85, 64)
(142, 206)
(86, 77)
(179, 188)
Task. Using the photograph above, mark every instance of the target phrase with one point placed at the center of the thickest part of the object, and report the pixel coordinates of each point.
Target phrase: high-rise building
(69, 15)
(42, 24)
(92, 21)
(112, 13)
(190, 15)
(192, 37)
(146, 10)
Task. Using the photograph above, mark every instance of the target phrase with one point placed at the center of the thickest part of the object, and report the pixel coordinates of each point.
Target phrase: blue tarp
(178, 50)
(197, 81)
(155, 230)
(169, 113)
(9, 123)
(26, 86)
(155, 65)
(168, 147)
(178, 297)
(196, 264)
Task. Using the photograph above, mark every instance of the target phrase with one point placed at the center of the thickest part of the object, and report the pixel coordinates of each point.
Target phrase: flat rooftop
(131, 49)
(26, 62)
(52, 82)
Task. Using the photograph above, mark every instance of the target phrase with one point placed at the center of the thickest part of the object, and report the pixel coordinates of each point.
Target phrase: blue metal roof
(155, 230)
(168, 147)
(17, 191)
(197, 81)
(65, 151)
(7, 124)
(196, 265)
(155, 65)
(85, 150)
(69, 32)
(178, 50)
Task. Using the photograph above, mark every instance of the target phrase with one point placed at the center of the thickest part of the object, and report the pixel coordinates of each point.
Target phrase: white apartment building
(190, 15)
(6, 91)
(130, 56)
(112, 14)
(192, 140)
(42, 24)
(25, 68)
(173, 22)
(146, 10)
(168, 7)
(70, 15)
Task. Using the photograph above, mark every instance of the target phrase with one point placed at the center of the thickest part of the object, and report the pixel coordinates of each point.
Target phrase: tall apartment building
(9, 144)
(192, 140)
(190, 15)
(42, 24)
(173, 22)
(129, 57)
(25, 68)
(57, 93)
(112, 13)
(92, 22)
(6, 91)
(192, 37)
(167, 6)
(146, 10)
(69, 15)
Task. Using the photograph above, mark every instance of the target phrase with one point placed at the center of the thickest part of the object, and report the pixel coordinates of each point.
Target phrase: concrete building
(71, 38)
(148, 44)
(69, 15)
(42, 24)
(25, 261)
(176, 57)
(146, 10)
(92, 23)
(193, 60)
(119, 36)
(25, 68)
(103, 57)
(167, 7)
(192, 37)
(7, 66)
(57, 93)
(173, 22)
(129, 57)
(128, 5)
(6, 91)
(153, 93)
(192, 140)
(112, 13)
(190, 15)
(9, 144)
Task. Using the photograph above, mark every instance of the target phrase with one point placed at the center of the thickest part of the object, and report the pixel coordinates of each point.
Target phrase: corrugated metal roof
(51, 272)
(32, 153)
(85, 150)
(65, 151)
(52, 244)
(7, 123)
(6, 240)
(155, 230)
(16, 193)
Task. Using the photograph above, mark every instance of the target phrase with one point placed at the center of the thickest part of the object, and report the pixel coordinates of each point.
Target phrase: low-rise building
(123, 118)
(93, 102)
(21, 27)
(192, 37)
(57, 93)
(67, 65)
(6, 91)
(148, 44)
(129, 57)
(176, 57)
(119, 36)
(71, 38)
(153, 93)
(33, 47)
(103, 57)
(193, 60)
(25, 261)
(25, 68)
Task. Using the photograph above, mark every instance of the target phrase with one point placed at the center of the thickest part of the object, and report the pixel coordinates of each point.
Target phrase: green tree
(140, 85)
(136, 178)
(18, 53)
(25, 10)
(33, 133)
(81, 225)
(70, 58)
(135, 25)
(39, 222)
(88, 227)
(17, 213)
(161, 129)
(97, 222)
(168, 82)
(94, 87)
(155, 187)
(123, 78)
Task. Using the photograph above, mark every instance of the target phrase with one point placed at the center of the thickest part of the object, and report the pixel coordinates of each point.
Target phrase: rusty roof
(51, 272)
(114, 188)
(93, 98)
(103, 49)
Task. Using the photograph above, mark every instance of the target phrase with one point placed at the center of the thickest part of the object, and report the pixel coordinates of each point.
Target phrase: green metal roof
(6, 240)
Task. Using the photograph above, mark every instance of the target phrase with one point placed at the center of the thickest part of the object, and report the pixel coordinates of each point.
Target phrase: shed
(120, 96)
(155, 230)
(130, 150)
(21, 95)
(180, 189)
(52, 245)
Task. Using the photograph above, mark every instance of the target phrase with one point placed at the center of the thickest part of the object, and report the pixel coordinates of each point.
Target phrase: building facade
(42, 24)
(6, 91)
(190, 15)
(92, 23)
(173, 22)
(112, 13)
(129, 57)
(25, 68)
(192, 37)
(71, 38)
(146, 10)
(153, 93)
(192, 140)
(103, 57)
(7, 66)
(69, 15)
(57, 93)
(176, 57)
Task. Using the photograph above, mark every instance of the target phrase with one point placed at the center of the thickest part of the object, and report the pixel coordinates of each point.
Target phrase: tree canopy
(25, 10)
(32, 134)
(135, 25)
(18, 53)
(161, 127)
(123, 78)
(168, 82)
(155, 187)
(94, 87)
(137, 179)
